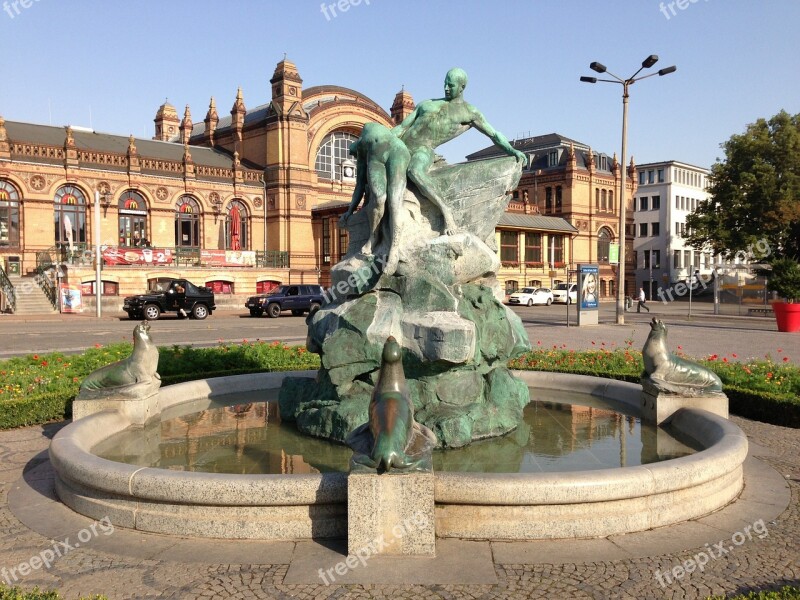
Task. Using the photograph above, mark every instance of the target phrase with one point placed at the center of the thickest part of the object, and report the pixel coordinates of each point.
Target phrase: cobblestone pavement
(757, 564)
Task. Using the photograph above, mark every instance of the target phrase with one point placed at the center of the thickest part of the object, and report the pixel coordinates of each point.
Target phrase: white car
(530, 296)
(565, 293)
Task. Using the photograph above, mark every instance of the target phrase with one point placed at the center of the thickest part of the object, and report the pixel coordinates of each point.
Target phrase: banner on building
(228, 258)
(613, 254)
(113, 255)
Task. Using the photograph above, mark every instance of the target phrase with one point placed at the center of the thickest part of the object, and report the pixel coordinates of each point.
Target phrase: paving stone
(755, 564)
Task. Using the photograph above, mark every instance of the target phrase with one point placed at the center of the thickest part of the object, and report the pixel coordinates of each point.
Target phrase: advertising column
(588, 294)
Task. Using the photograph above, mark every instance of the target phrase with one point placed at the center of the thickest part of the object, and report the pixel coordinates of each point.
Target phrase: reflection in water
(248, 438)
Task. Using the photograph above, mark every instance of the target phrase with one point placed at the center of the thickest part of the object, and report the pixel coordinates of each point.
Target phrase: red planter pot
(787, 315)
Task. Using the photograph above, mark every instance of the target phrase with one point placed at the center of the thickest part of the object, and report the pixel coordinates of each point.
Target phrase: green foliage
(785, 593)
(785, 279)
(15, 593)
(755, 191)
(764, 390)
(40, 388)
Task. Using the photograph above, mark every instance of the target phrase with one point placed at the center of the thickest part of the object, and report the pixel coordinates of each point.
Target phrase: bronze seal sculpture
(672, 374)
(131, 377)
(392, 439)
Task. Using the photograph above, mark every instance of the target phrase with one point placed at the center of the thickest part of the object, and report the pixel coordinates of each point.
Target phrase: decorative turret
(571, 160)
(211, 121)
(70, 150)
(238, 113)
(167, 122)
(5, 147)
(590, 161)
(615, 165)
(188, 163)
(186, 126)
(287, 86)
(402, 106)
(632, 170)
(133, 156)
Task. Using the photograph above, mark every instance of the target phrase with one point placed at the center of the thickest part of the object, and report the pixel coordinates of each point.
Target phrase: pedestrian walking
(642, 301)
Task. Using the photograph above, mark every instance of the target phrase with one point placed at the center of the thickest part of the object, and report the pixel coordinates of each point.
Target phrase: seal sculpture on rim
(131, 377)
(392, 439)
(672, 374)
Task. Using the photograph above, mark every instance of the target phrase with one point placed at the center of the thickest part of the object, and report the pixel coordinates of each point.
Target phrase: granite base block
(390, 514)
(658, 407)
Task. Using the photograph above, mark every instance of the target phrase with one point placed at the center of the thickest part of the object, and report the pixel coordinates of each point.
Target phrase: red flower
(785, 359)
(593, 343)
(724, 359)
(733, 354)
(35, 357)
(769, 375)
(780, 349)
(680, 347)
(98, 345)
(44, 363)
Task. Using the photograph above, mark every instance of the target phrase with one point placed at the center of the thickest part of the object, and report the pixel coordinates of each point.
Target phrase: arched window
(611, 206)
(603, 245)
(132, 219)
(187, 223)
(9, 215)
(236, 221)
(603, 205)
(597, 198)
(333, 150)
(69, 217)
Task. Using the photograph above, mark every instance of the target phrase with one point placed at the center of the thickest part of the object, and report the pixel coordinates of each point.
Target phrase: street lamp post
(626, 83)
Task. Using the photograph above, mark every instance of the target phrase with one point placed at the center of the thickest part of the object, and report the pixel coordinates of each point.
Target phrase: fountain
(414, 345)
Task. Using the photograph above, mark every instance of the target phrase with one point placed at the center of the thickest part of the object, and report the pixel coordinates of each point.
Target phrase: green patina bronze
(392, 439)
(423, 270)
(667, 373)
(132, 377)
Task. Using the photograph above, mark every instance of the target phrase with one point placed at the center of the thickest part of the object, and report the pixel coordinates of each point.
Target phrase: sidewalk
(127, 564)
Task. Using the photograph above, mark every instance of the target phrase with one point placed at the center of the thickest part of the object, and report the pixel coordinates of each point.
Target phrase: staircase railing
(48, 286)
(8, 290)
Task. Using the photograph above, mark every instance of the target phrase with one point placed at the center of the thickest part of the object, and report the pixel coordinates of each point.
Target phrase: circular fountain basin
(512, 505)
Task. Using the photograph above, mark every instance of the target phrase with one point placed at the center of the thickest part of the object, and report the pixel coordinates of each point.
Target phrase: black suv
(179, 295)
(297, 298)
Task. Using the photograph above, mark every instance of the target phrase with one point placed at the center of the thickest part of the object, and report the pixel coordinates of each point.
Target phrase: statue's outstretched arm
(481, 124)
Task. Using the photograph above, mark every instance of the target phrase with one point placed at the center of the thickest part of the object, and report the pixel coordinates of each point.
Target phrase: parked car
(565, 293)
(178, 295)
(299, 299)
(530, 296)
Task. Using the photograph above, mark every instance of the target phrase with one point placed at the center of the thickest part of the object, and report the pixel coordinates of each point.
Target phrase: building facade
(568, 181)
(667, 192)
(251, 199)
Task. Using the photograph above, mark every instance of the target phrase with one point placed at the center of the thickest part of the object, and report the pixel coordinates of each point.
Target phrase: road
(699, 336)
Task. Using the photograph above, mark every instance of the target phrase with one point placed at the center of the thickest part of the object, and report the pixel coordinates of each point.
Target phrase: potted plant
(785, 280)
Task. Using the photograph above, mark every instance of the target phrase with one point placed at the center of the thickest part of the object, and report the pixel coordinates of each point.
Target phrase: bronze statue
(384, 157)
(391, 439)
(672, 374)
(132, 377)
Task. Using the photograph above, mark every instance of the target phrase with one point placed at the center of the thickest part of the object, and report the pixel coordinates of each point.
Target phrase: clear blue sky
(64, 60)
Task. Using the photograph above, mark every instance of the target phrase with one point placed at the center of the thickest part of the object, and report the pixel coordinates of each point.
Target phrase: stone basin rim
(71, 455)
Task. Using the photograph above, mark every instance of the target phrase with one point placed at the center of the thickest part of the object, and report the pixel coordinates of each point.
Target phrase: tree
(755, 192)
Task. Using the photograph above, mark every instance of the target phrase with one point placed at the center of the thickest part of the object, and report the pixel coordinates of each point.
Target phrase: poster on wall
(70, 298)
(587, 283)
